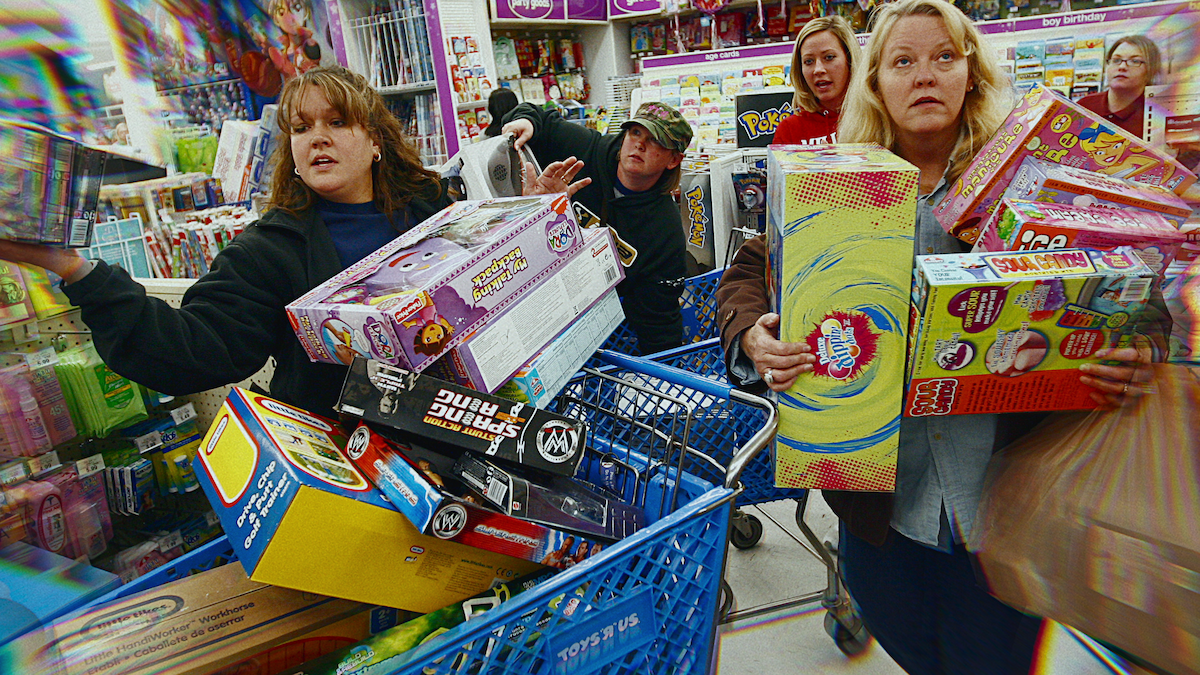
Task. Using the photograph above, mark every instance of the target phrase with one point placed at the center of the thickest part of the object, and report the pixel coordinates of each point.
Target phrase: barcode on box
(609, 275)
(496, 490)
(1136, 290)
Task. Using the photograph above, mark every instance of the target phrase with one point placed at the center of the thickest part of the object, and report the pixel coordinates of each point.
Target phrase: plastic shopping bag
(1093, 520)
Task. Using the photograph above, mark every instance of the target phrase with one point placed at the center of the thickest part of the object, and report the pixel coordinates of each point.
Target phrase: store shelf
(411, 88)
(467, 105)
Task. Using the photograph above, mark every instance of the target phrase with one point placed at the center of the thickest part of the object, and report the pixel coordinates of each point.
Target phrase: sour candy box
(840, 241)
(1048, 126)
(1031, 226)
(425, 291)
(1007, 332)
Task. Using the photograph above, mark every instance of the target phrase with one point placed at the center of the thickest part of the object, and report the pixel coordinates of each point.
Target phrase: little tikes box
(300, 515)
(840, 236)
(1032, 226)
(1048, 126)
(1007, 332)
(432, 286)
(1041, 181)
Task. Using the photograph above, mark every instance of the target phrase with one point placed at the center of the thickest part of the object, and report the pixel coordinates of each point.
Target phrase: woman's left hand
(554, 179)
(1118, 385)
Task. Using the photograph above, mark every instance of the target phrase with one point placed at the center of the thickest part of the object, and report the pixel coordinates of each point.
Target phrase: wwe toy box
(840, 248)
(300, 515)
(422, 485)
(428, 289)
(1048, 126)
(428, 409)
(491, 355)
(1031, 226)
(1007, 332)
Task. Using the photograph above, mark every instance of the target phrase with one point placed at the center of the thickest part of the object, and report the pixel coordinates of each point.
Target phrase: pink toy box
(1031, 226)
(430, 288)
(1048, 126)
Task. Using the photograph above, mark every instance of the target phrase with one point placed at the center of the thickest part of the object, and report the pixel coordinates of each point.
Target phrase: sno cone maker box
(424, 292)
(840, 240)
(1007, 332)
(300, 515)
(1050, 127)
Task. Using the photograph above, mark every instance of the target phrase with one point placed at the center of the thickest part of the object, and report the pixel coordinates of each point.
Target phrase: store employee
(632, 177)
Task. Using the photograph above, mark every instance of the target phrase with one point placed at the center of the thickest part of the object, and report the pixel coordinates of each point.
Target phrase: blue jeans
(928, 612)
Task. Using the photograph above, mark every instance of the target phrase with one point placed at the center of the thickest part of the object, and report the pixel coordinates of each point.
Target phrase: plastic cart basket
(698, 303)
(200, 559)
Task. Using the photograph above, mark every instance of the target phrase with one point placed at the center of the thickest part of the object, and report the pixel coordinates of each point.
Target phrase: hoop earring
(378, 155)
(296, 171)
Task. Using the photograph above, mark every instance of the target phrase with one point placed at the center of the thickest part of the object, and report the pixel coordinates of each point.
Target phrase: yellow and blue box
(840, 238)
(300, 515)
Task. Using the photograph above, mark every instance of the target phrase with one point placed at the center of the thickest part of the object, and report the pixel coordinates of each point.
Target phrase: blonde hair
(1149, 51)
(396, 178)
(865, 118)
(804, 98)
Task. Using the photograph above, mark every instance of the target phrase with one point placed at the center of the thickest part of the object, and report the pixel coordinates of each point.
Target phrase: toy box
(840, 241)
(1048, 126)
(421, 484)
(1041, 181)
(493, 353)
(1007, 332)
(299, 515)
(428, 289)
(442, 412)
(539, 381)
(1032, 226)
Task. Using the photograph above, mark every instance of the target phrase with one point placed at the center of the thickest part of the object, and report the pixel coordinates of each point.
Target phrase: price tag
(42, 358)
(13, 473)
(44, 463)
(171, 541)
(183, 414)
(88, 466)
(148, 442)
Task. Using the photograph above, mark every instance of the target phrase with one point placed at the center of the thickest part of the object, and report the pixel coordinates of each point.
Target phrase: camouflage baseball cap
(665, 124)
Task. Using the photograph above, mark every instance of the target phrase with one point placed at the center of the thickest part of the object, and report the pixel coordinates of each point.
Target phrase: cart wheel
(852, 643)
(752, 535)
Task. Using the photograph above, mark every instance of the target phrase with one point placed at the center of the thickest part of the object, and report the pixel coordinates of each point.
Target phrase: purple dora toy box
(424, 292)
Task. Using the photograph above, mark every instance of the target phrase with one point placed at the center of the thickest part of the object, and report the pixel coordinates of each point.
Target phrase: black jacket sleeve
(555, 139)
(651, 303)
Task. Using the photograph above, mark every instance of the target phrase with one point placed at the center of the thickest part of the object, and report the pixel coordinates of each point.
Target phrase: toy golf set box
(1048, 126)
(428, 289)
(1031, 226)
(1041, 181)
(440, 412)
(421, 484)
(489, 356)
(839, 269)
(300, 515)
(1007, 332)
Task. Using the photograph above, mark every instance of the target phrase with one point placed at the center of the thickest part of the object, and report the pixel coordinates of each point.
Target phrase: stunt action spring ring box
(1007, 332)
(840, 241)
(424, 292)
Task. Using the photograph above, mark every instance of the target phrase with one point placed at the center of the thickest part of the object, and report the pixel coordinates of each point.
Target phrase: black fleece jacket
(232, 319)
(648, 222)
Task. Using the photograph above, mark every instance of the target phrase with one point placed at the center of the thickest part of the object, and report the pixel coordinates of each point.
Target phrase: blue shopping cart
(698, 304)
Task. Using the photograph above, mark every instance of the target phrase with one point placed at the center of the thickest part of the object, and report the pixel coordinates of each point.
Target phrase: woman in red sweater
(821, 64)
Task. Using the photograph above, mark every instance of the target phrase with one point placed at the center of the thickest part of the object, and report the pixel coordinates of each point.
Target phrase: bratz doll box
(1007, 332)
(300, 515)
(1049, 126)
(840, 222)
(430, 288)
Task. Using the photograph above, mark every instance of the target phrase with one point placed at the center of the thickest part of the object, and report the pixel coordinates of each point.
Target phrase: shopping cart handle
(663, 372)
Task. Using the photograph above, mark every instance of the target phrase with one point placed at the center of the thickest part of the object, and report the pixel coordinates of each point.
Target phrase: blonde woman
(822, 62)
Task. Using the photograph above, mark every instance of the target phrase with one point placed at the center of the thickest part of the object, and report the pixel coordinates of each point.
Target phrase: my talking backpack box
(1007, 332)
(1031, 226)
(442, 412)
(840, 221)
(300, 515)
(1049, 126)
(426, 291)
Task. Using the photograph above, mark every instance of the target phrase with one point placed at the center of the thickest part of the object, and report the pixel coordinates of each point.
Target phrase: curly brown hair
(396, 178)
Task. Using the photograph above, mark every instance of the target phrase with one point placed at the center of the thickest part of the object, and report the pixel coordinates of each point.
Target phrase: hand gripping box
(1048, 126)
(495, 352)
(1007, 332)
(431, 287)
(1032, 226)
(840, 240)
(426, 408)
(300, 515)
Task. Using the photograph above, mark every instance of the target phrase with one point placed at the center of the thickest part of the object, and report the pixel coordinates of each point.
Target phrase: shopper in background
(633, 174)
(500, 102)
(1133, 63)
(826, 50)
(930, 91)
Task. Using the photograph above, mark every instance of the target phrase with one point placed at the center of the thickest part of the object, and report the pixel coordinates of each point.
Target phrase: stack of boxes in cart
(437, 498)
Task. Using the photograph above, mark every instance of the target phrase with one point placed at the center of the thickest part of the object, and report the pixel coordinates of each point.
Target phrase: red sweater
(807, 128)
(1130, 119)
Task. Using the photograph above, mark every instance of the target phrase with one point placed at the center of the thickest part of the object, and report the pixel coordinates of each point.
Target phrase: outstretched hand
(556, 178)
(784, 361)
(64, 262)
(1119, 385)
